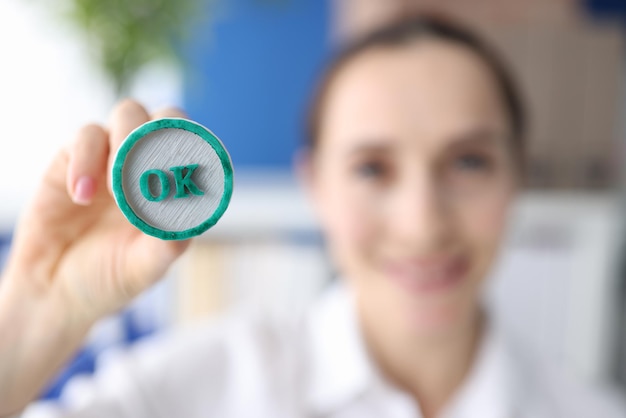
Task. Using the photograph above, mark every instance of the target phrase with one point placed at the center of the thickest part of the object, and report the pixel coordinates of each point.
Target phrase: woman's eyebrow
(483, 136)
(478, 136)
(371, 147)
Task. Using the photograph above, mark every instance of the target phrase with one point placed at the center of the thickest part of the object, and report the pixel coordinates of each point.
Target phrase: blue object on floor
(5, 246)
(603, 9)
(83, 363)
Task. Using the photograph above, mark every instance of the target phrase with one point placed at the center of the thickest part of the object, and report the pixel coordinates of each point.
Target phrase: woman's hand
(74, 241)
(75, 258)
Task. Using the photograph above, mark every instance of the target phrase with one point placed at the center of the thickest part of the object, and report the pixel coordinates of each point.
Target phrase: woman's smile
(427, 276)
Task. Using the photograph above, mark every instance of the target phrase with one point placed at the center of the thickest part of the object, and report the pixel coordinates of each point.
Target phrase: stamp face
(172, 178)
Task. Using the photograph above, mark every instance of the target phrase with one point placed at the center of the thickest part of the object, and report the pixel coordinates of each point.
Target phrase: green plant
(124, 35)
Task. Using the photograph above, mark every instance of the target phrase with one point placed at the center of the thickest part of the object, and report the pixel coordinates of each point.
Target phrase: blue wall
(250, 75)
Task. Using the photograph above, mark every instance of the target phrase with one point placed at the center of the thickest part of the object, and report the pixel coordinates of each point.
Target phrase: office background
(247, 71)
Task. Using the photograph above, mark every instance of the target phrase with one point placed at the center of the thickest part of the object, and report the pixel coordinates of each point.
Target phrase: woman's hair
(405, 31)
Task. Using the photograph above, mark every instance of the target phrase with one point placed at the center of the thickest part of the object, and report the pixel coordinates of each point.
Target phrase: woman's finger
(169, 112)
(126, 116)
(148, 260)
(54, 209)
(87, 162)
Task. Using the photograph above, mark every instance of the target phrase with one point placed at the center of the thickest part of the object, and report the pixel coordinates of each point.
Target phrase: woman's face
(412, 179)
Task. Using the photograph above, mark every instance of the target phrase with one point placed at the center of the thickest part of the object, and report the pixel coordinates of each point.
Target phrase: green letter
(144, 185)
(184, 183)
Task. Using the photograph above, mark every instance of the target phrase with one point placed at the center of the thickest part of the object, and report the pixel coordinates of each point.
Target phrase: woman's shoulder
(233, 333)
(214, 364)
(228, 365)
(573, 397)
(545, 389)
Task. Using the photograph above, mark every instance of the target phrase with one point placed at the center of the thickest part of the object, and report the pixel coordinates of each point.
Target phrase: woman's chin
(432, 321)
(433, 315)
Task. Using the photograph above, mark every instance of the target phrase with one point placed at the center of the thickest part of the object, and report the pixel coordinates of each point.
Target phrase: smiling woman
(415, 150)
(414, 159)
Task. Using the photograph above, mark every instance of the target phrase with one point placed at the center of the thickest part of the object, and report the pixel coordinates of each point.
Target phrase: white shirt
(312, 366)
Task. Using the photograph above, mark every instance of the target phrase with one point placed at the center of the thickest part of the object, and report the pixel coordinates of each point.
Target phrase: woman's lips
(429, 277)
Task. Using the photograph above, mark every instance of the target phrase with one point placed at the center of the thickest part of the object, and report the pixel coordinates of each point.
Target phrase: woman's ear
(304, 168)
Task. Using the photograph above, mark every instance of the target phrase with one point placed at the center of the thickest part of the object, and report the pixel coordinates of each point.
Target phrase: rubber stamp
(172, 178)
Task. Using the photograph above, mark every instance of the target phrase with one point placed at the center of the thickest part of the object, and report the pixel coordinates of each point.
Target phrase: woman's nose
(418, 217)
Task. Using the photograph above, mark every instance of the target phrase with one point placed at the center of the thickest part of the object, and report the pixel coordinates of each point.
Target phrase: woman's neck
(432, 368)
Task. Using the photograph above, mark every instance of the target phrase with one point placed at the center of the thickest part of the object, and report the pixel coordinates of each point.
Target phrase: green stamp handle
(172, 178)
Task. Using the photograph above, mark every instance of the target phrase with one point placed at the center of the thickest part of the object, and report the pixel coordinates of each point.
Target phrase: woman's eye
(472, 162)
(372, 170)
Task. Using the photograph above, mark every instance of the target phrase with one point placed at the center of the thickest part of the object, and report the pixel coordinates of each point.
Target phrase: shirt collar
(490, 389)
(341, 370)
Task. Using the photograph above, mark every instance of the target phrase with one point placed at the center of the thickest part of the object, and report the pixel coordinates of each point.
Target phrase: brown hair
(401, 33)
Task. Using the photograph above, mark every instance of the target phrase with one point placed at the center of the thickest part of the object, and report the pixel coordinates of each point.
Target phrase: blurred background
(246, 69)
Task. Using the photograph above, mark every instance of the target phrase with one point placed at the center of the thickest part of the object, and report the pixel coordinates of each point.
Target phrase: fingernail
(84, 190)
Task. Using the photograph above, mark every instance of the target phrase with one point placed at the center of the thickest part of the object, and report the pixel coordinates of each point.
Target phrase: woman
(414, 158)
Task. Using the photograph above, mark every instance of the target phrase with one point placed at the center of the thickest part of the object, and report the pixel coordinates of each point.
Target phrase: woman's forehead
(426, 88)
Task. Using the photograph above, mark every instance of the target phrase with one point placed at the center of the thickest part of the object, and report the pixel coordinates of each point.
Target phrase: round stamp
(172, 178)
